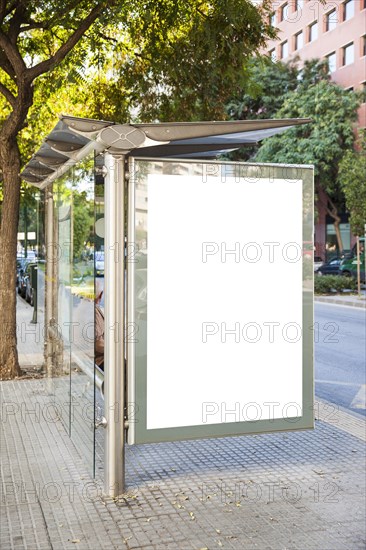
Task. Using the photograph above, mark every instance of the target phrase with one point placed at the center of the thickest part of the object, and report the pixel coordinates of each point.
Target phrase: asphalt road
(340, 356)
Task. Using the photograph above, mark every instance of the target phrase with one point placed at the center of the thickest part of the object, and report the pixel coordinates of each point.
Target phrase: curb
(338, 301)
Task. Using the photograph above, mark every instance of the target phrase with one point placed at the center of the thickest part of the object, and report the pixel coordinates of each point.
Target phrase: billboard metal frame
(137, 372)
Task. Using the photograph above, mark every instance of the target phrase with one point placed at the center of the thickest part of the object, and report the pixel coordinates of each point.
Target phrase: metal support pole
(131, 247)
(50, 286)
(358, 267)
(114, 355)
(25, 214)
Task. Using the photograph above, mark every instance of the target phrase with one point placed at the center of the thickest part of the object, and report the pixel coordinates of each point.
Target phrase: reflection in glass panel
(332, 62)
(73, 309)
(273, 56)
(349, 10)
(82, 291)
(99, 287)
(331, 20)
(348, 54)
(299, 40)
(299, 5)
(39, 298)
(284, 50)
(313, 31)
(62, 288)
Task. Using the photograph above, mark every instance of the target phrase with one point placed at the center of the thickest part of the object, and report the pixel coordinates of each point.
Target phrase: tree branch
(6, 66)
(12, 54)
(49, 64)
(108, 38)
(15, 121)
(204, 15)
(32, 25)
(4, 12)
(8, 95)
(16, 21)
(332, 212)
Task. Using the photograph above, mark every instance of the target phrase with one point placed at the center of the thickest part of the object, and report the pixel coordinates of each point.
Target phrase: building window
(348, 10)
(348, 54)
(332, 242)
(332, 62)
(313, 31)
(331, 20)
(284, 12)
(273, 55)
(284, 50)
(299, 4)
(272, 19)
(363, 45)
(299, 40)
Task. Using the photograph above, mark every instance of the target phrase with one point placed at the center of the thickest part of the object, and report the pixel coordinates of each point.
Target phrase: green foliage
(352, 178)
(324, 141)
(330, 284)
(83, 220)
(160, 59)
(266, 90)
(190, 57)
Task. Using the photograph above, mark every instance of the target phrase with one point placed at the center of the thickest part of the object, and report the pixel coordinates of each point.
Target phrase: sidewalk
(30, 338)
(295, 490)
(298, 490)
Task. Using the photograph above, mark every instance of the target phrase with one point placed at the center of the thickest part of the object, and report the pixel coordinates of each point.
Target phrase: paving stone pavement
(294, 490)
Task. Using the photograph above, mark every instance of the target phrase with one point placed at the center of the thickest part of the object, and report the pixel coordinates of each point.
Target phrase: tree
(263, 95)
(172, 57)
(35, 37)
(266, 89)
(185, 68)
(352, 170)
(324, 141)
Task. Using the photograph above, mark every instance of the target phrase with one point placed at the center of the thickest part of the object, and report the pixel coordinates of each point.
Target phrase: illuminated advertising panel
(220, 263)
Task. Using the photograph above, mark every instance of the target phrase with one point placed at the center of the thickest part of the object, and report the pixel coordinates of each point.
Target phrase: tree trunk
(10, 164)
(332, 211)
(336, 223)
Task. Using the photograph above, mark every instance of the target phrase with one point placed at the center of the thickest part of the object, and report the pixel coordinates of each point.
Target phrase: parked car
(348, 267)
(317, 262)
(29, 291)
(25, 284)
(329, 268)
(21, 265)
(99, 263)
(22, 274)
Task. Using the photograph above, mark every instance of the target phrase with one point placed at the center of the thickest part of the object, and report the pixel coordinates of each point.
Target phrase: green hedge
(329, 284)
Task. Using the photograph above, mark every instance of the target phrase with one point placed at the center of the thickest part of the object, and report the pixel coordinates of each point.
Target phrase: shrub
(329, 284)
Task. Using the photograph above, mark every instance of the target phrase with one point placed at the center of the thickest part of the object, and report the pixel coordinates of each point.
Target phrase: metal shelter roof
(73, 138)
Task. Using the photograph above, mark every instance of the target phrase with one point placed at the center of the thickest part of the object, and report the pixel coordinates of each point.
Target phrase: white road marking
(359, 401)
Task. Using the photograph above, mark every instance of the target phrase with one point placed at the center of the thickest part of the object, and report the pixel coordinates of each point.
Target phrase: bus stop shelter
(207, 271)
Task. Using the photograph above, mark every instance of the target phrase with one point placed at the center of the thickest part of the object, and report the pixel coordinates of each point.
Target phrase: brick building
(336, 31)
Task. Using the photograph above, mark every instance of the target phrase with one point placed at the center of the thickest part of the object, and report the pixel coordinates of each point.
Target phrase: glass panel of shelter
(61, 362)
(99, 287)
(82, 313)
(73, 362)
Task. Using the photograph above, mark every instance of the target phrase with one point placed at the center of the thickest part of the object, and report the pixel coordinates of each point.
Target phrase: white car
(317, 262)
(99, 263)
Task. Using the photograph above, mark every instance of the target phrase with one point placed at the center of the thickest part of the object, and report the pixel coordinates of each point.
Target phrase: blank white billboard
(222, 341)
